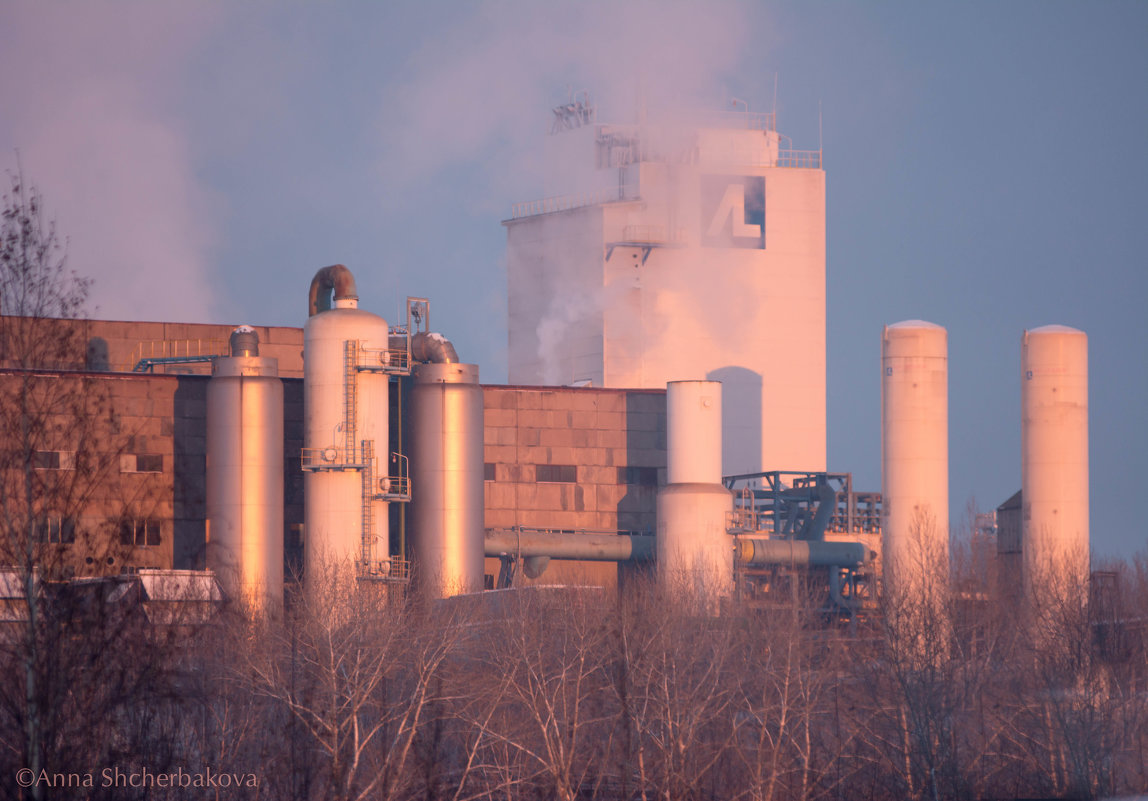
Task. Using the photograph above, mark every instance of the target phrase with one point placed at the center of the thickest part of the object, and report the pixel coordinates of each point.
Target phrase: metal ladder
(368, 529)
(350, 397)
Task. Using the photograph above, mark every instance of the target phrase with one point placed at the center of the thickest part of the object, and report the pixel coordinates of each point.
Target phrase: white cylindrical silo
(445, 441)
(345, 423)
(914, 456)
(1054, 457)
(695, 552)
(693, 432)
(245, 475)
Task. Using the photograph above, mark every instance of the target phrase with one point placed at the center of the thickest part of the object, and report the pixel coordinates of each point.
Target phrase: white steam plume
(485, 84)
(88, 106)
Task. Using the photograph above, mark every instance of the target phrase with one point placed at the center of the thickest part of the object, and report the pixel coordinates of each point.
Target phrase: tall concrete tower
(915, 455)
(1054, 460)
(677, 251)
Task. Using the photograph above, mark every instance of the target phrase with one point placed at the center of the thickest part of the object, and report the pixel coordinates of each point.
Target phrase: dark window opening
(643, 476)
(556, 473)
(46, 460)
(149, 463)
(61, 530)
(140, 533)
(54, 460)
(488, 471)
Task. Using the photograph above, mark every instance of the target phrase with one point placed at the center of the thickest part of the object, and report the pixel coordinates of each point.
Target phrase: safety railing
(329, 458)
(801, 159)
(162, 350)
(549, 205)
(395, 488)
(384, 360)
(747, 120)
(390, 569)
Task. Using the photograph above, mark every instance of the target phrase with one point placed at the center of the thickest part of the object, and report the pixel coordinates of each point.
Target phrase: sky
(985, 162)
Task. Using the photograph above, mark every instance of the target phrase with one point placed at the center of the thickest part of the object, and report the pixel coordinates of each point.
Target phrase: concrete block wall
(124, 438)
(126, 341)
(615, 441)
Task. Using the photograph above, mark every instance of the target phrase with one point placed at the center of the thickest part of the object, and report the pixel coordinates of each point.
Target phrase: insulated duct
(802, 553)
(642, 548)
(583, 547)
(336, 280)
(432, 348)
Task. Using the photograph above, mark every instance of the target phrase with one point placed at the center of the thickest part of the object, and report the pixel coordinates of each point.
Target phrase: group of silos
(914, 448)
(349, 355)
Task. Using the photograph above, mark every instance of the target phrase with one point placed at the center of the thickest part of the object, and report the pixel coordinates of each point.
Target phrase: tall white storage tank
(345, 422)
(447, 504)
(695, 552)
(1054, 460)
(914, 457)
(245, 475)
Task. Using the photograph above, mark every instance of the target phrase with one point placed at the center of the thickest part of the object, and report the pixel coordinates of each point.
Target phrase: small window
(54, 460)
(556, 473)
(139, 533)
(641, 476)
(141, 463)
(488, 471)
(55, 529)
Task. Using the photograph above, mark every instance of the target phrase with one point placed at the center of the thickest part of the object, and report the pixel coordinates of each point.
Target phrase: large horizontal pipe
(585, 547)
(640, 548)
(804, 553)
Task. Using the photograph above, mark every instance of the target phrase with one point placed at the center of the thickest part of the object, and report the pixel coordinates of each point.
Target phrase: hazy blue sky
(987, 169)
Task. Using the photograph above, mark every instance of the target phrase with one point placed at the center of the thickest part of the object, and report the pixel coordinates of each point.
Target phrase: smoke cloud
(89, 107)
(480, 93)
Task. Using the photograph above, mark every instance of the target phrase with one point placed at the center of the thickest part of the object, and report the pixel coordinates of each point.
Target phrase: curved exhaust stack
(432, 348)
(336, 278)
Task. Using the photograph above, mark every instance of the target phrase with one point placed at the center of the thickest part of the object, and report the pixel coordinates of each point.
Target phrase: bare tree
(355, 665)
(56, 429)
(679, 689)
(545, 726)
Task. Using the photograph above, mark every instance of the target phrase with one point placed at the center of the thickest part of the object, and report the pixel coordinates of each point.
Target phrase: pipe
(814, 530)
(584, 547)
(337, 278)
(641, 548)
(807, 553)
(430, 347)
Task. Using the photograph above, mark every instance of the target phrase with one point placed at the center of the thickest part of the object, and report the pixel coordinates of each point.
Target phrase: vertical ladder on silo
(350, 397)
(367, 453)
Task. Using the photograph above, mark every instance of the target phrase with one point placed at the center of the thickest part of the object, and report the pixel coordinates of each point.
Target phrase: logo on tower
(733, 211)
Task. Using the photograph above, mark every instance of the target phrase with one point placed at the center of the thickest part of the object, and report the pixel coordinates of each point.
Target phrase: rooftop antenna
(640, 101)
(775, 77)
(820, 137)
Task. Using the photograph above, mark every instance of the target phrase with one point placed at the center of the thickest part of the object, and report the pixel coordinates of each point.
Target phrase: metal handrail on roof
(549, 205)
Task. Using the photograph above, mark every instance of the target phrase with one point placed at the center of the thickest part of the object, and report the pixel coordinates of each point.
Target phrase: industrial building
(653, 416)
(605, 275)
